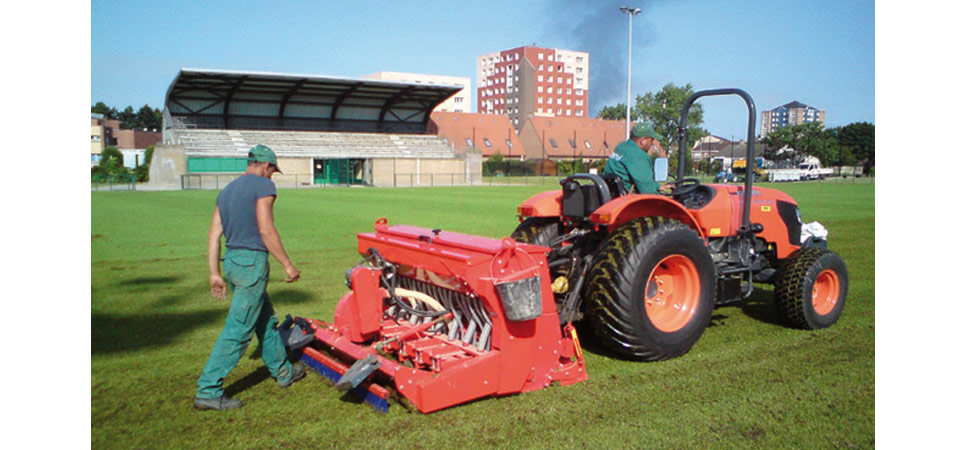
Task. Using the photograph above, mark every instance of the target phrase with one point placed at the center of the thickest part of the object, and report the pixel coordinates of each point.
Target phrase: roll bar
(746, 225)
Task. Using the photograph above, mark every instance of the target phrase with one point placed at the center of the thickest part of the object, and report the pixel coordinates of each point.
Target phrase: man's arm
(264, 212)
(215, 281)
(657, 151)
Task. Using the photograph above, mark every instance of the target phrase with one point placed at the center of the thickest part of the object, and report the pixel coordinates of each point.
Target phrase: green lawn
(749, 381)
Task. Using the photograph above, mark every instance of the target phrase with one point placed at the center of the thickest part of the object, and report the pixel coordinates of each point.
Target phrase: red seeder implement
(443, 318)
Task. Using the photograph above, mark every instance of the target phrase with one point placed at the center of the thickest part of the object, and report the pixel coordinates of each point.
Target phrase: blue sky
(821, 53)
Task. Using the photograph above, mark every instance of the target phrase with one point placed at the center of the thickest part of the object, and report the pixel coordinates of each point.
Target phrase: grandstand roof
(489, 133)
(222, 99)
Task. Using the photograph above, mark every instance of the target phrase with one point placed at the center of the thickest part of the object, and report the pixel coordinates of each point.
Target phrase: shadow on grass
(248, 381)
(761, 307)
(282, 297)
(149, 280)
(112, 333)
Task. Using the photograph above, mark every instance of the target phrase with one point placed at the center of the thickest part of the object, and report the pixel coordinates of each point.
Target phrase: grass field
(749, 381)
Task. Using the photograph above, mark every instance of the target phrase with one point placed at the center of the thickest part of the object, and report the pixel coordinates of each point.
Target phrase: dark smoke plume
(599, 27)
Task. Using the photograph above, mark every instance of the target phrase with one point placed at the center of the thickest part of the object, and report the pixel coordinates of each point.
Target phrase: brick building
(531, 81)
(132, 143)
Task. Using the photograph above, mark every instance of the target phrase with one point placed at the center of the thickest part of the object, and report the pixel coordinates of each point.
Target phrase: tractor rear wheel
(811, 288)
(537, 231)
(650, 289)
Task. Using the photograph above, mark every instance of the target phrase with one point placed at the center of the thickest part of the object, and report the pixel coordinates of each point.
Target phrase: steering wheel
(685, 186)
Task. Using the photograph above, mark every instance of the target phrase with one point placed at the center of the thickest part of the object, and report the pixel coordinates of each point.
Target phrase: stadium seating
(220, 142)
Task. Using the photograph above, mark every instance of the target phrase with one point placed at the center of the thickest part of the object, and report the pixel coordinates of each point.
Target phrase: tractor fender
(629, 207)
(545, 204)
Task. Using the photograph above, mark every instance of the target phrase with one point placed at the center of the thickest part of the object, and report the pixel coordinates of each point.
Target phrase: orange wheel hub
(673, 293)
(825, 292)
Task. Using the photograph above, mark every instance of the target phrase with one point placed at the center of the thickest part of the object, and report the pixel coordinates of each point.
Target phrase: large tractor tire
(811, 288)
(537, 231)
(650, 289)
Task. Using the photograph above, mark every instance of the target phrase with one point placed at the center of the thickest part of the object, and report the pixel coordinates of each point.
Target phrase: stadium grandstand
(325, 130)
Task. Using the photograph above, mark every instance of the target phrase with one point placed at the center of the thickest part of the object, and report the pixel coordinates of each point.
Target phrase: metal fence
(216, 181)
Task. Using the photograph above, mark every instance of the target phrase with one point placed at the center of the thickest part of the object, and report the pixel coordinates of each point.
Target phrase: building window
(469, 143)
(586, 143)
(540, 56)
(553, 143)
(540, 78)
(486, 142)
(509, 144)
(573, 143)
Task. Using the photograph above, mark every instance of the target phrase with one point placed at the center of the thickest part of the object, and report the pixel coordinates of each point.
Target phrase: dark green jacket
(634, 166)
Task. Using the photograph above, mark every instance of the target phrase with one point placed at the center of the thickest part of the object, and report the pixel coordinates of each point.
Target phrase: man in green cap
(244, 214)
(632, 160)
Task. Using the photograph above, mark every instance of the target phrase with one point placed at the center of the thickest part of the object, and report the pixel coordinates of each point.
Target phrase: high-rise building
(533, 81)
(459, 102)
(790, 114)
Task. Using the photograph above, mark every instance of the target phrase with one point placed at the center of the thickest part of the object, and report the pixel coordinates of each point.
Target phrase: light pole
(631, 12)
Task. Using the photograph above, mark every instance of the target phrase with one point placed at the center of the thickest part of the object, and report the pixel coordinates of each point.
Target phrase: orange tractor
(647, 270)
(443, 318)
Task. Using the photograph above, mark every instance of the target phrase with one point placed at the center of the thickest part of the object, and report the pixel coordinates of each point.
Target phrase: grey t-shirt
(236, 204)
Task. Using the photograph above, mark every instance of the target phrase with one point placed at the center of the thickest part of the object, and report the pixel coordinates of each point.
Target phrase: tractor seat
(615, 184)
(581, 200)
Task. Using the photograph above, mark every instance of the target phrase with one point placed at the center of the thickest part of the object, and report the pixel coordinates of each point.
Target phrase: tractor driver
(632, 160)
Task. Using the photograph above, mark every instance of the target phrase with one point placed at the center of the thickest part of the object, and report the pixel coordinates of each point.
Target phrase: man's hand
(218, 288)
(666, 188)
(293, 274)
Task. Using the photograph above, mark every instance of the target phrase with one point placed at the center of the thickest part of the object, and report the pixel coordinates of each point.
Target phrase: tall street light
(631, 12)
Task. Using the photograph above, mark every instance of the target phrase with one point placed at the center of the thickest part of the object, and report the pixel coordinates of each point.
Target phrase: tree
(618, 112)
(859, 138)
(148, 118)
(807, 139)
(663, 112)
(128, 118)
(111, 153)
(104, 110)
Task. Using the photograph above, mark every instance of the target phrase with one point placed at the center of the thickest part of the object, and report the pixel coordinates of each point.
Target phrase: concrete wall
(168, 164)
(464, 170)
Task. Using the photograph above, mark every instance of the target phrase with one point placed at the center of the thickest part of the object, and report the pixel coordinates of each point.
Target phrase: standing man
(244, 215)
(632, 160)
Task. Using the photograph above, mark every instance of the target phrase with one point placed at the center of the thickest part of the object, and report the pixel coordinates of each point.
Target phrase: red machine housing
(485, 344)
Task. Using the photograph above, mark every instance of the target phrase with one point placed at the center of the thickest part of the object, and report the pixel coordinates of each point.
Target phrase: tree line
(851, 145)
(145, 118)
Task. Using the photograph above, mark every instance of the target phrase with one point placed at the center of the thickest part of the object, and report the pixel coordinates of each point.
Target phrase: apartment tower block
(533, 81)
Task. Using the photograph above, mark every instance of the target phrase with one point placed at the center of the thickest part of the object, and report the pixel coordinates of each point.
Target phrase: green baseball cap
(643, 129)
(262, 153)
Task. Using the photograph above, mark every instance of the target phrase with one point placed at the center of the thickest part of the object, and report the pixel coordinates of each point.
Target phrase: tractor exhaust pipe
(746, 226)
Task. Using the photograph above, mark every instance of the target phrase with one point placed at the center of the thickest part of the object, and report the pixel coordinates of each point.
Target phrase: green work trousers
(251, 312)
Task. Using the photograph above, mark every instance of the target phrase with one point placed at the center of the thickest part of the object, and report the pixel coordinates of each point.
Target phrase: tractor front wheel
(650, 289)
(811, 288)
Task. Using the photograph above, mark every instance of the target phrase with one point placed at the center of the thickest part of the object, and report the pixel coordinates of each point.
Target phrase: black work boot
(220, 403)
(298, 372)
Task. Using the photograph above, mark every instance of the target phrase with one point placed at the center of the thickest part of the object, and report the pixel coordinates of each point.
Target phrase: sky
(821, 53)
